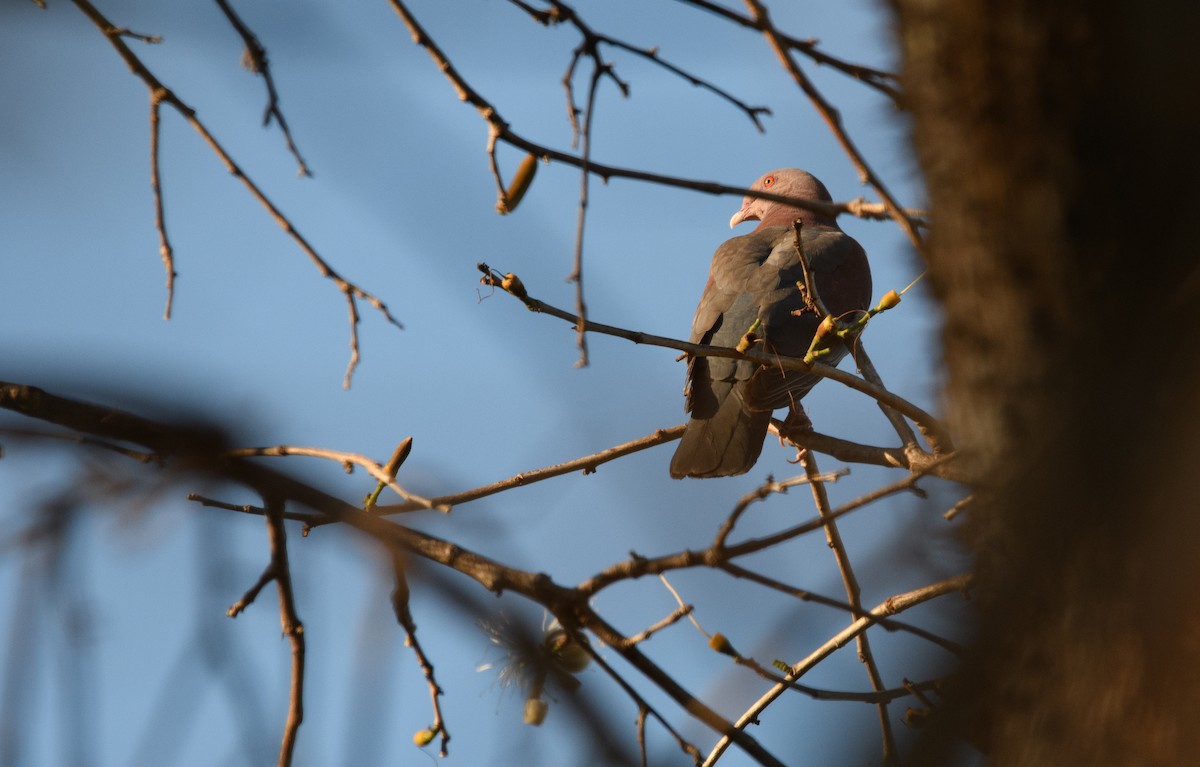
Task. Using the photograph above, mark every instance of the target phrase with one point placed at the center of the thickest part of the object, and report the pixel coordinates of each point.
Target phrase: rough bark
(1059, 144)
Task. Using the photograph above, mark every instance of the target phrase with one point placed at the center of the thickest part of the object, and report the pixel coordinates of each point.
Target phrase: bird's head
(787, 182)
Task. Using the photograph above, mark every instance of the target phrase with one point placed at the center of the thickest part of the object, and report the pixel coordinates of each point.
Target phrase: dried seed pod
(520, 184)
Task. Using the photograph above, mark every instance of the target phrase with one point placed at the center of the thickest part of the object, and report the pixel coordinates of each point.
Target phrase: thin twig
(958, 507)
(587, 464)
(255, 59)
(126, 32)
(677, 615)
(853, 596)
(905, 484)
(651, 54)
(641, 736)
(884, 82)
(289, 621)
(726, 647)
(585, 155)
(693, 705)
(644, 709)
(878, 697)
(842, 449)
(268, 575)
(763, 491)
(348, 460)
(638, 566)
(208, 459)
(501, 131)
(679, 601)
(927, 422)
(249, 508)
(160, 222)
(560, 12)
(140, 456)
(160, 93)
(400, 599)
(890, 606)
(863, 361)
(834, 120)
(805, 595)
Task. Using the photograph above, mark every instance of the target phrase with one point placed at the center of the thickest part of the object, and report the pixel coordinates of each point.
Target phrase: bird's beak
(745, 214)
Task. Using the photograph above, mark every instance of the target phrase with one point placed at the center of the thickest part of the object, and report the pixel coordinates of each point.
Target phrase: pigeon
(754, 277)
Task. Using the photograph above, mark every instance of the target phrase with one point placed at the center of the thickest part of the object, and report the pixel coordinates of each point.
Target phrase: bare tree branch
(348, 460)
(255, 59)
(160, 222)
(853, 597)
(933, 431)
(587, 464)
(404, 616)
(884, 82)
(160, 94)
(293, 629)
(834, 120)
(501, 131)
(559, 13)
(201, 451)
(890, 606)
(638, 566)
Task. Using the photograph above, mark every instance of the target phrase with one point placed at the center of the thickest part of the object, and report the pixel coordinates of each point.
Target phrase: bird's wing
(843, 282)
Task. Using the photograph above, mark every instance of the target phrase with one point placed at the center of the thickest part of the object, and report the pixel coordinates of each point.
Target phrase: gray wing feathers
(754, 277)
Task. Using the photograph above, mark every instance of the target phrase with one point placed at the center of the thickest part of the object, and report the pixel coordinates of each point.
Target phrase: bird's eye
(768, 181)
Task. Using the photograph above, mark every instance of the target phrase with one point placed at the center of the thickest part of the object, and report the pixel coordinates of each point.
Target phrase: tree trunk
(1059, 144)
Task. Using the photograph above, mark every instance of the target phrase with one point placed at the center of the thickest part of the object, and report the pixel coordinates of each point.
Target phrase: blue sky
(402, 204)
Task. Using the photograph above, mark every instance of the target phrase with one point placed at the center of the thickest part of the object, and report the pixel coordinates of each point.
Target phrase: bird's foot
(793, 429)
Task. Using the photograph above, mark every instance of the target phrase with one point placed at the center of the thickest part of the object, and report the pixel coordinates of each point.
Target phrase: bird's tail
(723, 445)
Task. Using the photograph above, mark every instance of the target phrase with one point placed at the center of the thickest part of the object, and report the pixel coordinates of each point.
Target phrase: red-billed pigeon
(753, 277)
